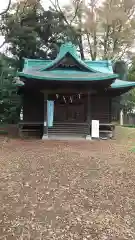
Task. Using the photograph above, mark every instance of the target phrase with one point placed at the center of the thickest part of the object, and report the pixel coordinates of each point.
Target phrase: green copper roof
(56, 75)
(122, 84)
(104, 66)
(67, 49)
(49, 70)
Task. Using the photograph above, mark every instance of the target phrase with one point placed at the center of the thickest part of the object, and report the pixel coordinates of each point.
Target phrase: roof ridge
(68, 48)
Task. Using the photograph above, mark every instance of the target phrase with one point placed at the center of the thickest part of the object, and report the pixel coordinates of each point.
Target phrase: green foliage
(128, 101)
(131, 73)
(10, 102)
(120, 68)
(33, 32)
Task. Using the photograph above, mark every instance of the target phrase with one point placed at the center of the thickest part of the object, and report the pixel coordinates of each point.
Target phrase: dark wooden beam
(88, 110)
(89, 115)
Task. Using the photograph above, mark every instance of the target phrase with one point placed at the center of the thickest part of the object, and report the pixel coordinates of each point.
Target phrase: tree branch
(90, 48)
(123, 52)
(115, 41)
(57, 7)
(4, 11)
(106, 38)
(59, 10)
(76, 11)
(2, 44)
(120, 55)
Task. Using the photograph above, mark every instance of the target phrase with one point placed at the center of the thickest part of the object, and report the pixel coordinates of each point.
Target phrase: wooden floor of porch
(65, 129)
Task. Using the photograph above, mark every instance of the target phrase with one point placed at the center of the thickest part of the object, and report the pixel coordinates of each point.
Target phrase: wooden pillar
(45, 127)
(88, 137)
(110, 110)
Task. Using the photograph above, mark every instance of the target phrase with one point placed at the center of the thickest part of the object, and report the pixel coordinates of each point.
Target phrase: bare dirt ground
(68, 190)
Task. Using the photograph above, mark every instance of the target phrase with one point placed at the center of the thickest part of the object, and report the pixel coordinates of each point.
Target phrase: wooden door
(69, 113)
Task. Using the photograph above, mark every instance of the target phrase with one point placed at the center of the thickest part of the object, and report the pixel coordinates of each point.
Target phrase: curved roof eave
(102, 66)
(122, 84)
(49, 76)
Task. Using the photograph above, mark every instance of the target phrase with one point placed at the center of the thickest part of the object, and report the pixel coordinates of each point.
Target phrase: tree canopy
(31, 32)
(107, 29)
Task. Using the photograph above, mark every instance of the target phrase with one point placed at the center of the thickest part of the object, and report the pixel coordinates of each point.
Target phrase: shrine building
(61, 97)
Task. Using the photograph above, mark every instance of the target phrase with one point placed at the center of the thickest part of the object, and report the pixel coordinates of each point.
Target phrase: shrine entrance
(70, 109)
(70, 116)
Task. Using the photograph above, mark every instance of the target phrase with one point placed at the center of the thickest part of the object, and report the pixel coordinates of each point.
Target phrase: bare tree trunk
(80, 40)
(95, 46)
(93, 56)
(81, 46)
(105, 45)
